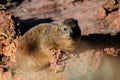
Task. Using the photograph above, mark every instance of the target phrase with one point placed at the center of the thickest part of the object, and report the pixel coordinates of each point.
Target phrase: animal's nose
(71, 34)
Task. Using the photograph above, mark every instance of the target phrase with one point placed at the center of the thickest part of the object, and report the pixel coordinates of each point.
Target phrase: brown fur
(34, 49)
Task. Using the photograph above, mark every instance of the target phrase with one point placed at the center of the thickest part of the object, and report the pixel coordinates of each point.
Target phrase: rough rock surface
(94, 16)
(8, 44)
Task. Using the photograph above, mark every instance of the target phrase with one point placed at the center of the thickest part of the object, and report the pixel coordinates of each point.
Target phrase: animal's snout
(71, 34)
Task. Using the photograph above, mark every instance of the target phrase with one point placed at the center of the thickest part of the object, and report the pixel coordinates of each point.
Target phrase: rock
(111, 17)
(116, 24)
(111, 51)
(91, 19)
(8, 44)
(100, 14)
(109, 4)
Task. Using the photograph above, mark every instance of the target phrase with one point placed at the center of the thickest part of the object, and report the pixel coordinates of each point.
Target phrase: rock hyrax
(33, 50)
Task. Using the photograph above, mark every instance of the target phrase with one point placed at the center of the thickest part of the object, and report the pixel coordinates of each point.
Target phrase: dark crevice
(11, 1)
(25, 25)
(102, 41)
(11, 4)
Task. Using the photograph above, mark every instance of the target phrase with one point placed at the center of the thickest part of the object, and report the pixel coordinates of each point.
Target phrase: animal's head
(63, 37)
(72, 24)
(65, 31)
(69, 29)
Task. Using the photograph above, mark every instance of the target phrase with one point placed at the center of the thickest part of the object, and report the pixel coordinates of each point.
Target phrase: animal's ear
(58, 28)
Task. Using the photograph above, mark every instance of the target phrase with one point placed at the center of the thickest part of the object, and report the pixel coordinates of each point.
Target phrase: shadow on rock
(25, 25)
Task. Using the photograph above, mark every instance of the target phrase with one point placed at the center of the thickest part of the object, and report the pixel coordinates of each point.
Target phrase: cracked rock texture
(94, 16)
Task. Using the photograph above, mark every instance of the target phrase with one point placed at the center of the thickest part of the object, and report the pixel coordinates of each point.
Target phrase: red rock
(111, 51)
(6, 76)
(100, 14)
(7, 44)
(116, 24)
(109, 4)
(111, 17)
(57, 61)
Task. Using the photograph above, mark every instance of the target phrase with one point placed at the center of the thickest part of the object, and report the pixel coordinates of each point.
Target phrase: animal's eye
(65, 29)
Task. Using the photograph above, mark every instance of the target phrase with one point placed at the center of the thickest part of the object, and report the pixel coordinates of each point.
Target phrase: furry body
(34, 49)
